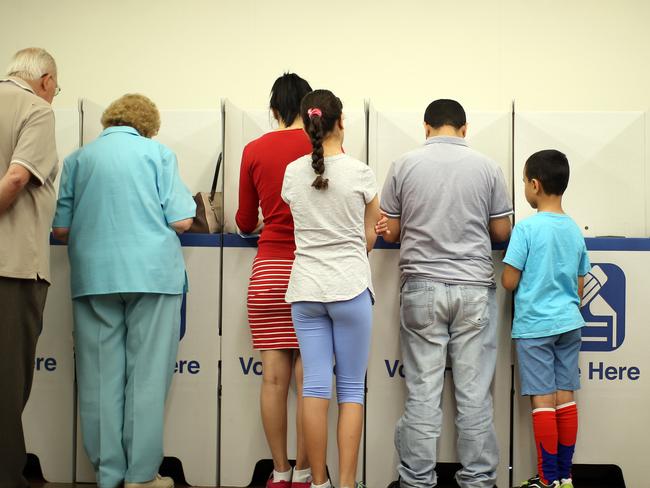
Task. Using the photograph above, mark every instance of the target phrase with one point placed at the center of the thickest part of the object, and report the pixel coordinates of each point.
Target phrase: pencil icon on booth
(594, 281)
(603, 308)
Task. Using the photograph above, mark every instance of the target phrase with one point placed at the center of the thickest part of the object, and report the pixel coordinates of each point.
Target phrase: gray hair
(31, 63)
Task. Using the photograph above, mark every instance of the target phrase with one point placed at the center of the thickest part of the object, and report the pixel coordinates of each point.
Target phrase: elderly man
(28, 166)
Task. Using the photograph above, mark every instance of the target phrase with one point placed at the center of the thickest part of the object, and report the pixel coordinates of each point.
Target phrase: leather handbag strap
(215, 179)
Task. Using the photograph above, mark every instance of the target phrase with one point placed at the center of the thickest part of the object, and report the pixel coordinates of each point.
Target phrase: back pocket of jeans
(476, 308)
(416, 311)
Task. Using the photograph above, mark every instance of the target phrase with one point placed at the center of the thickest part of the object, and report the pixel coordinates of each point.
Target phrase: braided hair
(320, 110)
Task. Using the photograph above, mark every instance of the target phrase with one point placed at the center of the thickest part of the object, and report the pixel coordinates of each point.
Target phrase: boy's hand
(381, 227)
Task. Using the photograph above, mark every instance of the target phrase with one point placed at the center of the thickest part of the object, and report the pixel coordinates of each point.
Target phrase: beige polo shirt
(27, 138)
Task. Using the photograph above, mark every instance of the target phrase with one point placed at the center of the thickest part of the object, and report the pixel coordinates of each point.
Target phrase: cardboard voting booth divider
(242, 126)
(612, 400)
(607, 196)
(390, 135)
(393, 133)
(241, 426)
(191, 418)
(387, 390)
(607, 156)
(609, 163)
(48, 418)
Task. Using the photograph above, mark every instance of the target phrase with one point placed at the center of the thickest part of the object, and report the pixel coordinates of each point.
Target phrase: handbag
(209, 207)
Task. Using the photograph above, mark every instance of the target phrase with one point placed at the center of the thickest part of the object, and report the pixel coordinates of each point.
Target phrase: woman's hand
(181, 226)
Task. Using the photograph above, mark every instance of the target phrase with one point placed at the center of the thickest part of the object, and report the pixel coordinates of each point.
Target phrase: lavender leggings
(335, 332)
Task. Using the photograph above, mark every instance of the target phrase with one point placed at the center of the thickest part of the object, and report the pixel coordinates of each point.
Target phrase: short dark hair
(445, 112)
(286, 94)
(551, 168)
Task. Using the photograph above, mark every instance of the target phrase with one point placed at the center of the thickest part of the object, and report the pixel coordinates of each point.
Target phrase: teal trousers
(125, 353)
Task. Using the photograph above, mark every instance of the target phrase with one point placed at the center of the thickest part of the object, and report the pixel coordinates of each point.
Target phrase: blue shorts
(549, 364)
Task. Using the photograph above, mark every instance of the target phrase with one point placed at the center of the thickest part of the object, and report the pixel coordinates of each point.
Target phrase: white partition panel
(392, 134)
(48, 418)
(242, 126)
(607, 193)
(191, 417)
(242, 435)
(241, 366)
(191, 413)
(647, 178)
(91, 115)
(49, 415)
(192, 408)
(387, 391)
(614, 364)
(241, 377)
(193, 135)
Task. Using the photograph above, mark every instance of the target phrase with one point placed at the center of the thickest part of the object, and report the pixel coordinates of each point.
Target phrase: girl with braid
(333, 200)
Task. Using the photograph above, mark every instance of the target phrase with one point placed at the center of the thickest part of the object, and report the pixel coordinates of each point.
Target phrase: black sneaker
(394, 484)
(536, 482)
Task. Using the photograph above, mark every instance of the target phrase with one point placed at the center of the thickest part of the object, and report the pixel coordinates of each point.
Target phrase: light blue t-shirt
(550, 251)
(118, 195)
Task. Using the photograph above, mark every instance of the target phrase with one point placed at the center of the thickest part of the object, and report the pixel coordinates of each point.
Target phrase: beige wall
(549, 55)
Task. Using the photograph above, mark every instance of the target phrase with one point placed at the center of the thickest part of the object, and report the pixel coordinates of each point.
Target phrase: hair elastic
(314, 112)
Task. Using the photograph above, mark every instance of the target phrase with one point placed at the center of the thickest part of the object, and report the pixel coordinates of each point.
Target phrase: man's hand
(381, 227)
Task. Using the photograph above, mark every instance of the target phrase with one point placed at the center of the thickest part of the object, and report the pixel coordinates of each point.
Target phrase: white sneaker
(157, 482)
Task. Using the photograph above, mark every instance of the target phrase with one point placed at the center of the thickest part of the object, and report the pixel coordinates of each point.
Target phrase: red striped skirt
(269, 316)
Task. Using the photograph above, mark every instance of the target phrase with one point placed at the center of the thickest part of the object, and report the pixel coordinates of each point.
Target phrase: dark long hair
(320, 111)
(286, 94)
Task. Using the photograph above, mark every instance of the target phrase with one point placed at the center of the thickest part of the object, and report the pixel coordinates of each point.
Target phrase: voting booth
(612, 401)
(391, 134)
(192, 413)
(607, 195)
(48, 418)
(242, 434)
(608, 190)
(219, 442)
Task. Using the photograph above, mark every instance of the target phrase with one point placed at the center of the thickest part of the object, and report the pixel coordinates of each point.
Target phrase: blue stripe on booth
(187, 240)
(236, 240)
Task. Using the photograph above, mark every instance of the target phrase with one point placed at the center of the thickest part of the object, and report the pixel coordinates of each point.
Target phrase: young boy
(546, 263)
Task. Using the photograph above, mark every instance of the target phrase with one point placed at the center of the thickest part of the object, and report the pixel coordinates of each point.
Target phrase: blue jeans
(336, 331)
(462, 319)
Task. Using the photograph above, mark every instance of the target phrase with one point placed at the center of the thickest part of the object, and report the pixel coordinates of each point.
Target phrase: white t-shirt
(331, 260)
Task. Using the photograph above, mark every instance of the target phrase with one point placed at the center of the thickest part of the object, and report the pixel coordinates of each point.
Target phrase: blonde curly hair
(134, 110)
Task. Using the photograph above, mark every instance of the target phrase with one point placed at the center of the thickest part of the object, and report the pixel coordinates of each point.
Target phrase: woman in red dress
(264, 161)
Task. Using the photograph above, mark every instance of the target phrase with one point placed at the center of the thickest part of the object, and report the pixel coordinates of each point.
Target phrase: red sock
(545, 428)
(567, 433)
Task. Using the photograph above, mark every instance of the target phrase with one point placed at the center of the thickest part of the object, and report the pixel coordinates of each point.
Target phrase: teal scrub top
(118, 195)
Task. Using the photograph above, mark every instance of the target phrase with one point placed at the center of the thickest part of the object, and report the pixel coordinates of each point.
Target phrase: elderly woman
(121, 204)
